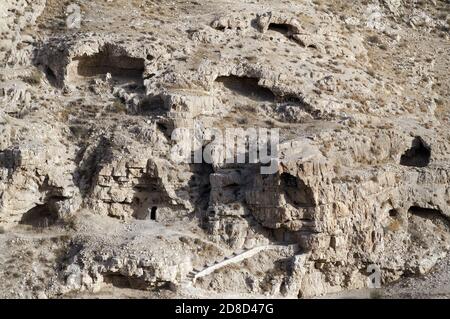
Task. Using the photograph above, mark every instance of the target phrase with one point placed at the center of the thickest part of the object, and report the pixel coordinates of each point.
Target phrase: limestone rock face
(114, 145)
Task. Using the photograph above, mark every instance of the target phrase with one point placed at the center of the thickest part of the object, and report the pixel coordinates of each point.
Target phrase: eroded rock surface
(359, 93)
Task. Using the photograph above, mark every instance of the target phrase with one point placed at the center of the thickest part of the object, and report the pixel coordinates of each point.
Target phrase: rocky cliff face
(90, 122)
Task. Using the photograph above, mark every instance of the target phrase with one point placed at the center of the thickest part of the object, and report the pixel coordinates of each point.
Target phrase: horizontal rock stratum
(95, 201)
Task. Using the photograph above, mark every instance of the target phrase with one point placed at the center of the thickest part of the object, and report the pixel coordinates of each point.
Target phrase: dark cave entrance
(153, 213)
(126, 282)
(151, 105)
(418, 155)
(248, 87)
(393, 213)
(297, 192)
(39, 216)
(435, 216)
(113, 60)
(51, 76)
(284, 29)
(424, 212)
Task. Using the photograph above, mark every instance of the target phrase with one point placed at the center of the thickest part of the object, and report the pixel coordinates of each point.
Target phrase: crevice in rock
(200, 190)
(393, 213)
(220, 28)
(291, 99)
(11, 159)
(162, 127)
(51, 76)
(289, 31)
(418, 155)
(297, 193)
(428, 213)
(88, 160)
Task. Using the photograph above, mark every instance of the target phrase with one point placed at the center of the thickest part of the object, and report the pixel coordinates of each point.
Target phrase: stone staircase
(235, 257)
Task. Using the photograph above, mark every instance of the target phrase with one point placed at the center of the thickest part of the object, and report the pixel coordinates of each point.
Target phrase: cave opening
(40, 216)
(125, 282)
(420, 211)
(282, 28)
(393, 213)
(153, 213)
(154, 104)
(248, 87)
(296, 191)
(50, 76)
(112, 60)
(418, 155)
(434, 215)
